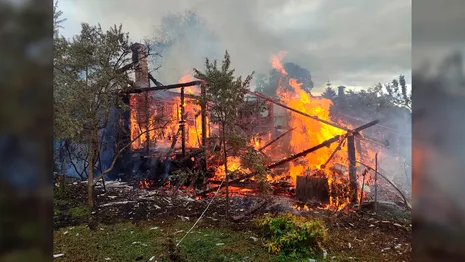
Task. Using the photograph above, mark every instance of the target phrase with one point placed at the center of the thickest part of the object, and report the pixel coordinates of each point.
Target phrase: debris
(325, 254)
(152, 258)
(58, 255)
(350, 245)
(254, 239)
(220, 244)
(107, 258)
(311, 260)
(66, 232)
(117, 203)
(183, 218)
(154, 228)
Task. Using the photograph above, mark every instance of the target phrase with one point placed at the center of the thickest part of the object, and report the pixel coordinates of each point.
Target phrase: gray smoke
(352, 43)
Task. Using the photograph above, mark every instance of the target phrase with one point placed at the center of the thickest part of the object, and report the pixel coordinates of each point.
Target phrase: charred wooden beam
(182, 125)
(297, 111)
(276, 139)
(352, 168)
(305, 152)
(167, 87)
(333, 154)
(157, 84)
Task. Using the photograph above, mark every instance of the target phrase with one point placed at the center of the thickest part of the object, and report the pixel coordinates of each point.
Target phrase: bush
(291, 235)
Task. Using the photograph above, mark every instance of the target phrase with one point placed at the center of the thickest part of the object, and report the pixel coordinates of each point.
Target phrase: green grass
(116, 242)
(80, 211)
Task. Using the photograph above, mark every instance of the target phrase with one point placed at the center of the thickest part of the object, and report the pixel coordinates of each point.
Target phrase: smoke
(356, 43)
(439, 135)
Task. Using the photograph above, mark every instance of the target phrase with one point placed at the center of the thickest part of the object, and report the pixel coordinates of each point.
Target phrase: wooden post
(203, 108)
(376, 183)
(147, 123)
(352, 168)
(363, 187)
(181, 125)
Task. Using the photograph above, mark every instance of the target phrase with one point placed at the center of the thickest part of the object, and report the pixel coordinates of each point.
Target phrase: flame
(310, 132)
(192, 90)
(146, 113)
(234, 164)
(260, 141)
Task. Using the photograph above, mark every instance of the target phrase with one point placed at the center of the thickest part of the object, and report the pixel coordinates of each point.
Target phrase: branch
(108, 170)
(74, 165)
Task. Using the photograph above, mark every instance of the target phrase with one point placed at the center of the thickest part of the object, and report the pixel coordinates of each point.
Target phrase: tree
(226, 94)
(270, 85)
(329, 93)
(398, 94)
(87, 82)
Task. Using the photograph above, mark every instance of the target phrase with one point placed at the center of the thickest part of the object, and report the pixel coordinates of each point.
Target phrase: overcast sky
(354, 43)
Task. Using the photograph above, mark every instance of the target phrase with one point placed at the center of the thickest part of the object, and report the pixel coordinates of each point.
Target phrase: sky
(354, 43)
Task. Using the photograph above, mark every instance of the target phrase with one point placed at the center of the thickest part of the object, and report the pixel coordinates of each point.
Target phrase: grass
(80, 211)
(128, 242)
(207, 242)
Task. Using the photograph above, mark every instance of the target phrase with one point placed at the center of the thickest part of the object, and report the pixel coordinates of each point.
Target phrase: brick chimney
(139, 58)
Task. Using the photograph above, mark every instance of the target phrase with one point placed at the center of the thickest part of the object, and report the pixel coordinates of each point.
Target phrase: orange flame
(309, 131)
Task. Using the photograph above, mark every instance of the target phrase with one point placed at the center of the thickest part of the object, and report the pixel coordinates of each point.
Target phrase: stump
(312, 189)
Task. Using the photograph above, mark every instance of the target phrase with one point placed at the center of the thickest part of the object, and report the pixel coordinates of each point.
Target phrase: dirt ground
(355, 234)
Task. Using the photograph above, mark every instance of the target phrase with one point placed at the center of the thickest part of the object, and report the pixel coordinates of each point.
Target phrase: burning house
(306, 151)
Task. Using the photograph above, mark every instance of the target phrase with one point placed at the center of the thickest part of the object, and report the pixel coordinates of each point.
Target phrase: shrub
(291, 235)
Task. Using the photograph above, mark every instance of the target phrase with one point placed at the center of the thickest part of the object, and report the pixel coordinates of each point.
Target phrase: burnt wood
(310, 189)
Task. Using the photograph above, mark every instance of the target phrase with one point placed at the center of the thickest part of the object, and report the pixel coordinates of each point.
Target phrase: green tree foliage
(224, 91)
(225, 95)
(329, 93)
(87, 80)
(268, 85)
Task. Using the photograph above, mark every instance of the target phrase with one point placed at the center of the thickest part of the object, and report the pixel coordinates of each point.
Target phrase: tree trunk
(226, 170)
(90, 174)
